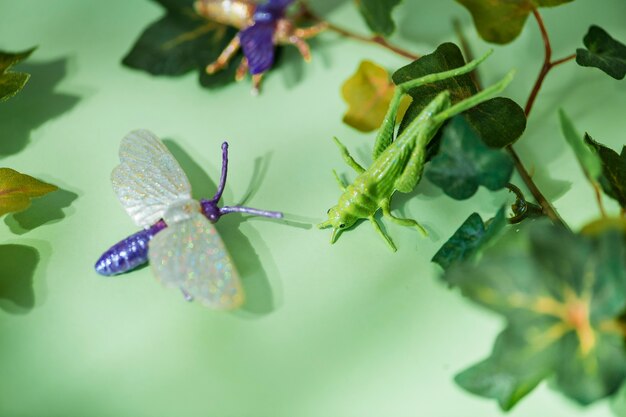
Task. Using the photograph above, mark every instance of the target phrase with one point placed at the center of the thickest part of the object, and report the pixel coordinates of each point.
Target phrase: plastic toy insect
(398, 164)
(183, 247)
(262, 27)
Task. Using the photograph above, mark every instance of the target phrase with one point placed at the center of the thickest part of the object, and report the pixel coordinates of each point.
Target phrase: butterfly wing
(148, 178)
(257, 43)
(191, 256)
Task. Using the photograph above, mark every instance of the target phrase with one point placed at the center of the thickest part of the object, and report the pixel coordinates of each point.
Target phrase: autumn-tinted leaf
(603, 52)
(587, 158)
(16, 190)
(562, 296)
(501, 21)
(368, 94)
(377, 15)
(613, 178)
(468, 239)
(182, 41)
(499, 121)
(12, 82)
(464, 163)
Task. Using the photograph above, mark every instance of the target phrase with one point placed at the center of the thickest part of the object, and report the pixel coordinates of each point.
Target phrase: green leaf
(16, 190)
(563, 296)
(501, 21)
(12, 82)
(603, 52)
(377, 15)
(464, 163)
(469, 239)
(587, 158)
(499, 121)
(613, 178)
(182, 41)
(368, 93)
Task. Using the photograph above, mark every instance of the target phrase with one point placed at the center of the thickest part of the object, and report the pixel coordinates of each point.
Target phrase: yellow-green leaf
(368, 93)
(12, 82)
(16, 190)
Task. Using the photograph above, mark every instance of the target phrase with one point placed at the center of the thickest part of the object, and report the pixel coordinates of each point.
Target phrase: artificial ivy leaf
(587, 158)
(563, 296)
(613, 178)
(603, 52)
(377, 15)
(368, 94)
(501, 21)
(16, 190)
(12, 82)
(468, 239)
(499, 121)
(464, 163)
(182, 41)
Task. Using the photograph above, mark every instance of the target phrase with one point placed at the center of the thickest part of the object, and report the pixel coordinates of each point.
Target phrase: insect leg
(341, 183)
(242, 69)
(302, 46)
(346, 157)
(401, 221)
(220, 187)
(224, 57)
(311, 31)
(382, 234)
(187, 296)
(414, 168)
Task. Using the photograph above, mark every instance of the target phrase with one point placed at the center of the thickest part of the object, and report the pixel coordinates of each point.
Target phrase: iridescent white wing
(191, 256)
(148, 178)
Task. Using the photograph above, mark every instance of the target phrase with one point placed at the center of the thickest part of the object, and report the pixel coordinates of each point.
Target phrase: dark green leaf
(501, 21)
(469, 239)
(562, 296)
(377, 15)
(613, 178)
(182, 41)
(603, 52)
(12, 82)
(464, 163)
(499, 121)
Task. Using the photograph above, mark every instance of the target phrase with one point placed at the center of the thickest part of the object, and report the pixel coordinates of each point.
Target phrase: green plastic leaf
(587, 158)
(16, 190)
(603, 52)
(464, 163)
(501, 21)
(563, 296)
(499, 121)
(469, 239)
(180, 42)
(377, 15)
(12, 82)
(613, 178)
(368, 93)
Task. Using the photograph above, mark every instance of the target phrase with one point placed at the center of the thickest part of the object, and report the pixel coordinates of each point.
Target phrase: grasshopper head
(339, 220)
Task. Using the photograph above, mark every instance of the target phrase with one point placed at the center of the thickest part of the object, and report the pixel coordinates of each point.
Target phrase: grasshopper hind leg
(401, 221)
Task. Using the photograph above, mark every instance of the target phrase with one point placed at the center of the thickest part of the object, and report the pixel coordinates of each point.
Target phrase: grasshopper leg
(403, 222)
(382, 234)
(340, 182)
(348, 158)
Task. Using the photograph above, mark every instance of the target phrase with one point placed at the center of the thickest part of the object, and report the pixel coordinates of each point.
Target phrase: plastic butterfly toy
(183, 247)
(262, 27)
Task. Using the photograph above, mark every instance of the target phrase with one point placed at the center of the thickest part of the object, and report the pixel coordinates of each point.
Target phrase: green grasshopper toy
(398, 164)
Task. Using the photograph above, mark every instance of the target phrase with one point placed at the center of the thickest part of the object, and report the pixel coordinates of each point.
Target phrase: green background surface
(343, 330)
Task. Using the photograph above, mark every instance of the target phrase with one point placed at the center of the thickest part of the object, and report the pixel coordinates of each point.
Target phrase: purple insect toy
(262, 27)
(179, 239)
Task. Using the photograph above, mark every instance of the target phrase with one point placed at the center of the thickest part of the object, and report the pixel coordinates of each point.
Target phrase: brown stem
(598, 193)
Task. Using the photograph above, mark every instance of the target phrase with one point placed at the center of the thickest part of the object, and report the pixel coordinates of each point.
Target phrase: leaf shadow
(36, 104)
(259, 295)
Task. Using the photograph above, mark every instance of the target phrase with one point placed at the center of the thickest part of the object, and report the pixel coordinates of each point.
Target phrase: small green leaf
(377, 15)
(464, 163)
(368, 93)
(499, 121)
(563, 296)
(16, 190)
(501, 21)
(182, 41)
(469, 239)
(587, 158)
(12, 82)
(613, 178)
(603, 52)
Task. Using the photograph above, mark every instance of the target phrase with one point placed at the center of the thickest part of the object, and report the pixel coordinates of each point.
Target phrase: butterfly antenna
(220, 188)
